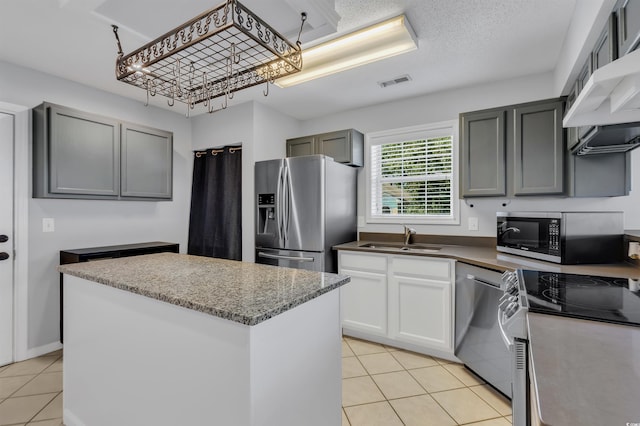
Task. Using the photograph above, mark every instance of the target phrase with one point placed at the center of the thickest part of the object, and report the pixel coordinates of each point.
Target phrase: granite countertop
(488, 257)
(243, 292)
(585, 372)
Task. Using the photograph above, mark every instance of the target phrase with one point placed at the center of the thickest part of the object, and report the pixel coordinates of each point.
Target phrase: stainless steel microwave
(562, 237)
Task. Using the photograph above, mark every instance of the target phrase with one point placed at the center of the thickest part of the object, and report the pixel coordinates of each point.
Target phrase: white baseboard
(402, 345)
(41, 350)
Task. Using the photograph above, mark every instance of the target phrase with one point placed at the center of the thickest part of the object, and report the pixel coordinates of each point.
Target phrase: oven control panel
(512, 310)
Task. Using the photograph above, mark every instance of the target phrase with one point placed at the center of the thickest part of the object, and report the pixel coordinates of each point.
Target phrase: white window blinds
(411, 175)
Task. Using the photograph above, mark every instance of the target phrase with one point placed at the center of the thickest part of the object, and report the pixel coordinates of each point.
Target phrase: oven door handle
(508, 342)
(484, 282)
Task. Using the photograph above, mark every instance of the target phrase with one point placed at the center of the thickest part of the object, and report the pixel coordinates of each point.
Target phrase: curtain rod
(232, 150)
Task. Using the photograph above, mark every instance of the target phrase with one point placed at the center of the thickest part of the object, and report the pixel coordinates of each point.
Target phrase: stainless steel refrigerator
(304, 206)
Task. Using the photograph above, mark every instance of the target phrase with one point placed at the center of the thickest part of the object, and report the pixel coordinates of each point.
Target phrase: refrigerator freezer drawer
(313, 261)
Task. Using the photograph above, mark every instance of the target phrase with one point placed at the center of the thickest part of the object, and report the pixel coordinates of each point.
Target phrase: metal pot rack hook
(303, 18)
(115, 32)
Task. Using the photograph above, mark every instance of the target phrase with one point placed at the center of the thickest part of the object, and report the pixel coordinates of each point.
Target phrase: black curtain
(215, 223)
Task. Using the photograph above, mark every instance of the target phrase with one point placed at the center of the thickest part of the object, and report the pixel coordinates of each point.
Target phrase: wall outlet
(48, 225)
(361, 222)
(473, 224)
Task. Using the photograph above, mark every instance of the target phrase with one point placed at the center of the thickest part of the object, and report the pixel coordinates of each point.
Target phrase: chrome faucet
(408, 232)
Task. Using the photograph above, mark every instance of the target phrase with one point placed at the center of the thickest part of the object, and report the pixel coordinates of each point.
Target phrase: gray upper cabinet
(86, 156)
(344, 146)
(483, 153)
(76, 155)
(628, 13)
(301, 146)
(607, 175)
(146, 162)
(606, 48)
(514, 150)
(538, 149)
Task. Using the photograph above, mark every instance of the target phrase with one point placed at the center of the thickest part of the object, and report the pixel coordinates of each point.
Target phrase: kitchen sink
(418, 248)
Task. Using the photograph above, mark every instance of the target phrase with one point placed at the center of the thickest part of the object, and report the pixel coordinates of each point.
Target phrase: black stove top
(583, 296)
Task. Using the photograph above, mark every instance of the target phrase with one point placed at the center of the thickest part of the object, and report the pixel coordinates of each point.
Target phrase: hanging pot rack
(217, 53)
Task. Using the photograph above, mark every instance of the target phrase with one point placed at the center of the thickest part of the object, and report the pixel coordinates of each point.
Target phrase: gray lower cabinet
(86, 156)
(513, 150)
(628, 13)
(146, 162)
(344, 146)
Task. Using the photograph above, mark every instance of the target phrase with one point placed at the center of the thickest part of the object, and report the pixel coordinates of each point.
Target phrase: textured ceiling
(461, 43)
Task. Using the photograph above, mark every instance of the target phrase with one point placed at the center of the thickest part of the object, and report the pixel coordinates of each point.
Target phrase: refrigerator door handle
(294, 258)
(288, 194)
(279, 205)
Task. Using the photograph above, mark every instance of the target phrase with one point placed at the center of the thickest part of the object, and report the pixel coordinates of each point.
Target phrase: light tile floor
(381, 385)
(386, 386)
(31, 392)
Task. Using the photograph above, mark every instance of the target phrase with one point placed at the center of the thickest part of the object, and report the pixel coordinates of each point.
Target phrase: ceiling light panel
(380, 41)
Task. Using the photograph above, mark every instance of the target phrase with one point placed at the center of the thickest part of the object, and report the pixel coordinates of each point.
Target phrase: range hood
(609, 139)
(610, 102)
(610, 96)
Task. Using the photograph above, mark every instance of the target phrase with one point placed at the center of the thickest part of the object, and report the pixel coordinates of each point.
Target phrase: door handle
(3, 238)
(277, 256)
(4, 255)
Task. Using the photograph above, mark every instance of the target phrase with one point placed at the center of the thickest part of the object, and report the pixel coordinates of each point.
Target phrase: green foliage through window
(412, 178)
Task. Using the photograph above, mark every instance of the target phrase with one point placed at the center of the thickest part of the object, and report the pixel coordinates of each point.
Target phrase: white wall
(447, 106)
(589, 18)
(262, 132)
(90, 223)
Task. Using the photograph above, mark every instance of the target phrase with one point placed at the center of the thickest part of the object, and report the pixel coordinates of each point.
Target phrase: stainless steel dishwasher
(478, 342)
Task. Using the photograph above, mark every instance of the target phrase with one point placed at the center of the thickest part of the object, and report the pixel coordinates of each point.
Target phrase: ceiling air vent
(402, 79)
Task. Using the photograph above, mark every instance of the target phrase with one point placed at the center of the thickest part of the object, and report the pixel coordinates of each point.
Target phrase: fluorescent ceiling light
(383, 40)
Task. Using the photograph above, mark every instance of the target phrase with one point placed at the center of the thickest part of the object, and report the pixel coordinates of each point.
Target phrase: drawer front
(368, 262)
(424, 267)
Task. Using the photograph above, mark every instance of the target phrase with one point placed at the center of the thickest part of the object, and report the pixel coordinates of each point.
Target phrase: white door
(6, 238)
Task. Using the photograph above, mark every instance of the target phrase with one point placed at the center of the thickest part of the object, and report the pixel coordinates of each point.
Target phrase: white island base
(133, 360)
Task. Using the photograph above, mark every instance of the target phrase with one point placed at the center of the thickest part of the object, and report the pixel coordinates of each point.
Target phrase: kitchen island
(170, 339)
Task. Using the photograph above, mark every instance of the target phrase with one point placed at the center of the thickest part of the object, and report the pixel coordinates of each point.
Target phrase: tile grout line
(408, 370)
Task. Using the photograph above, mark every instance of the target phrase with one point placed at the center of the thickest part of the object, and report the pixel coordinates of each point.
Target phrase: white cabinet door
(363, 302)
(420, 311)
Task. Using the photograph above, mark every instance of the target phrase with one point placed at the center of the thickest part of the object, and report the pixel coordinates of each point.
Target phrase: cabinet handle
(4, 255)
(4, 238)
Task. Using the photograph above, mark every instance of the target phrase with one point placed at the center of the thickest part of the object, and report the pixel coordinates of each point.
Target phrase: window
(412, 175)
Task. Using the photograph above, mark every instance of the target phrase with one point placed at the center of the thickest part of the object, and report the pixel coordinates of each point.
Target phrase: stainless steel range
(597, 298)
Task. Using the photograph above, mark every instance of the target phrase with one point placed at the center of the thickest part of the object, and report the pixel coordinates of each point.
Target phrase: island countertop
(243, 292)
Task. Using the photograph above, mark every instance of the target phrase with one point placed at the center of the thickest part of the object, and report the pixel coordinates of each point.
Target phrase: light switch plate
(473, 224)
(361, 222)
(48, 224)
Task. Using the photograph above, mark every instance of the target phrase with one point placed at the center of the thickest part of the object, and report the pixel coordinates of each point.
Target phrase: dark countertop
(585, 372)
(633, 233)
(488, 257)
(243, 292)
